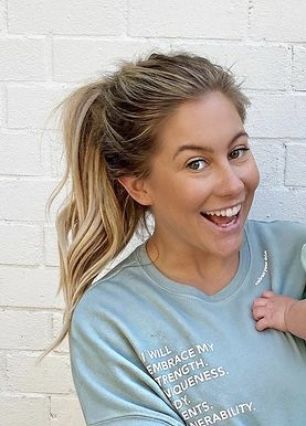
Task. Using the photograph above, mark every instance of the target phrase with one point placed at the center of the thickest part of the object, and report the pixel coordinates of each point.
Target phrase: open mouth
(225, 217)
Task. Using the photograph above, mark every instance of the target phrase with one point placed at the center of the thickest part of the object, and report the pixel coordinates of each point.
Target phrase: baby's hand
(269, 311)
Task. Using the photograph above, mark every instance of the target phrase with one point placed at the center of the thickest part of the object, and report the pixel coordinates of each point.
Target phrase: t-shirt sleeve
(113, 386)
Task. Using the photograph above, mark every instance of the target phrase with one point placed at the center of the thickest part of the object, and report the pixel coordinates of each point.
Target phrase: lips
(223, 218)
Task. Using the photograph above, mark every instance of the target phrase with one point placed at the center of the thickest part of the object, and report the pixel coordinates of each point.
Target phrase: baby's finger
(261, 325)
(258, 312)
(260, 302)
(268, 294)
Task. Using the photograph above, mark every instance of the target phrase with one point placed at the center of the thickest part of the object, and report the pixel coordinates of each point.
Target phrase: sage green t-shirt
(146, 350)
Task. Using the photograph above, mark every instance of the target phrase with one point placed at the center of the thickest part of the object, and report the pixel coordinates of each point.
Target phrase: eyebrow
(207, 149)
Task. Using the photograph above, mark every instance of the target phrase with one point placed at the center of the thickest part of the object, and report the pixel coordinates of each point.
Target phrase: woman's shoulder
(119, 286)
(279, 232)
(277, 225)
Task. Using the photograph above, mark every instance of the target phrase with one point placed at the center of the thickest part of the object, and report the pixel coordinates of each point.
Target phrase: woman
(167, 337)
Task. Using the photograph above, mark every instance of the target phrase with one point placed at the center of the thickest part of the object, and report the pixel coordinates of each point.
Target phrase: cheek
(180, 195)
(255, 176)
(251, 175)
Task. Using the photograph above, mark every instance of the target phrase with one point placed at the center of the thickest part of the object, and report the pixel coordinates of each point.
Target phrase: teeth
(227, 212)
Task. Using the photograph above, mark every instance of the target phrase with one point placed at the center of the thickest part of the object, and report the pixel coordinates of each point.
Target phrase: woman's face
(203, 178)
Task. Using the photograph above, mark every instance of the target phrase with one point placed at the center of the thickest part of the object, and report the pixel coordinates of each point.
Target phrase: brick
(3, 376)
(66, 411)
(20, 153)
(260, 67)
(277, 116)
(209, 19)
(270, 159)
(57, 324)
(3, 17)
(3, 106)
(69, 17)
(51, 250)
(32, 107)
(32, 410)
(51, 219)
(100, 56)
(59, 199)
(23, 244)
(25, 329)
(272, 203)
(280, 20)
(296, 164)
(52, 375)
(37, 194)
(30, 287)
(299, 65)
(23, 59)
(52, 153)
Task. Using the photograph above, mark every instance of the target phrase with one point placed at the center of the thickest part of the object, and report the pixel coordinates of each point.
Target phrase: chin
(230, 249)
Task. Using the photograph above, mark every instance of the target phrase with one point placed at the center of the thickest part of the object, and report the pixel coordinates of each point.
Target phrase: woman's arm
(281, 313)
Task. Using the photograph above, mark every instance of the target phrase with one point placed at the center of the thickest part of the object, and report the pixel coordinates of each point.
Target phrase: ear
(137, 189)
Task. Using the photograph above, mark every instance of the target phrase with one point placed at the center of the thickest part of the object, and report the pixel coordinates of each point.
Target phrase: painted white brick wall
(48, 47)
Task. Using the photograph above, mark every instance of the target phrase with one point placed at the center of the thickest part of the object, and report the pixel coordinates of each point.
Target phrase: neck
(208, 273)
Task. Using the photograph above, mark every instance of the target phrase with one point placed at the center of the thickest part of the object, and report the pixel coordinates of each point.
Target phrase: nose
(229, 182)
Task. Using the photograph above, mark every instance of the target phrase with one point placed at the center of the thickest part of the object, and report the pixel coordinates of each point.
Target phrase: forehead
(211, 119)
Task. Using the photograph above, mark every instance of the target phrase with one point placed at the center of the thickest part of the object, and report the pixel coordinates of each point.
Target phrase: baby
(281, 312)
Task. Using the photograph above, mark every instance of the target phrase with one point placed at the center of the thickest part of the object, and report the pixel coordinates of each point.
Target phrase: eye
(196, 165)
(238, 153)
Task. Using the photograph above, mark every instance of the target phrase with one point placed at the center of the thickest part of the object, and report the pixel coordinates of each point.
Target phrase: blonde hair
(110, 129)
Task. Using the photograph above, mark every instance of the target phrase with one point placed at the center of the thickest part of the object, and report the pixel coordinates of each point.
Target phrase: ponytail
(93, 226)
